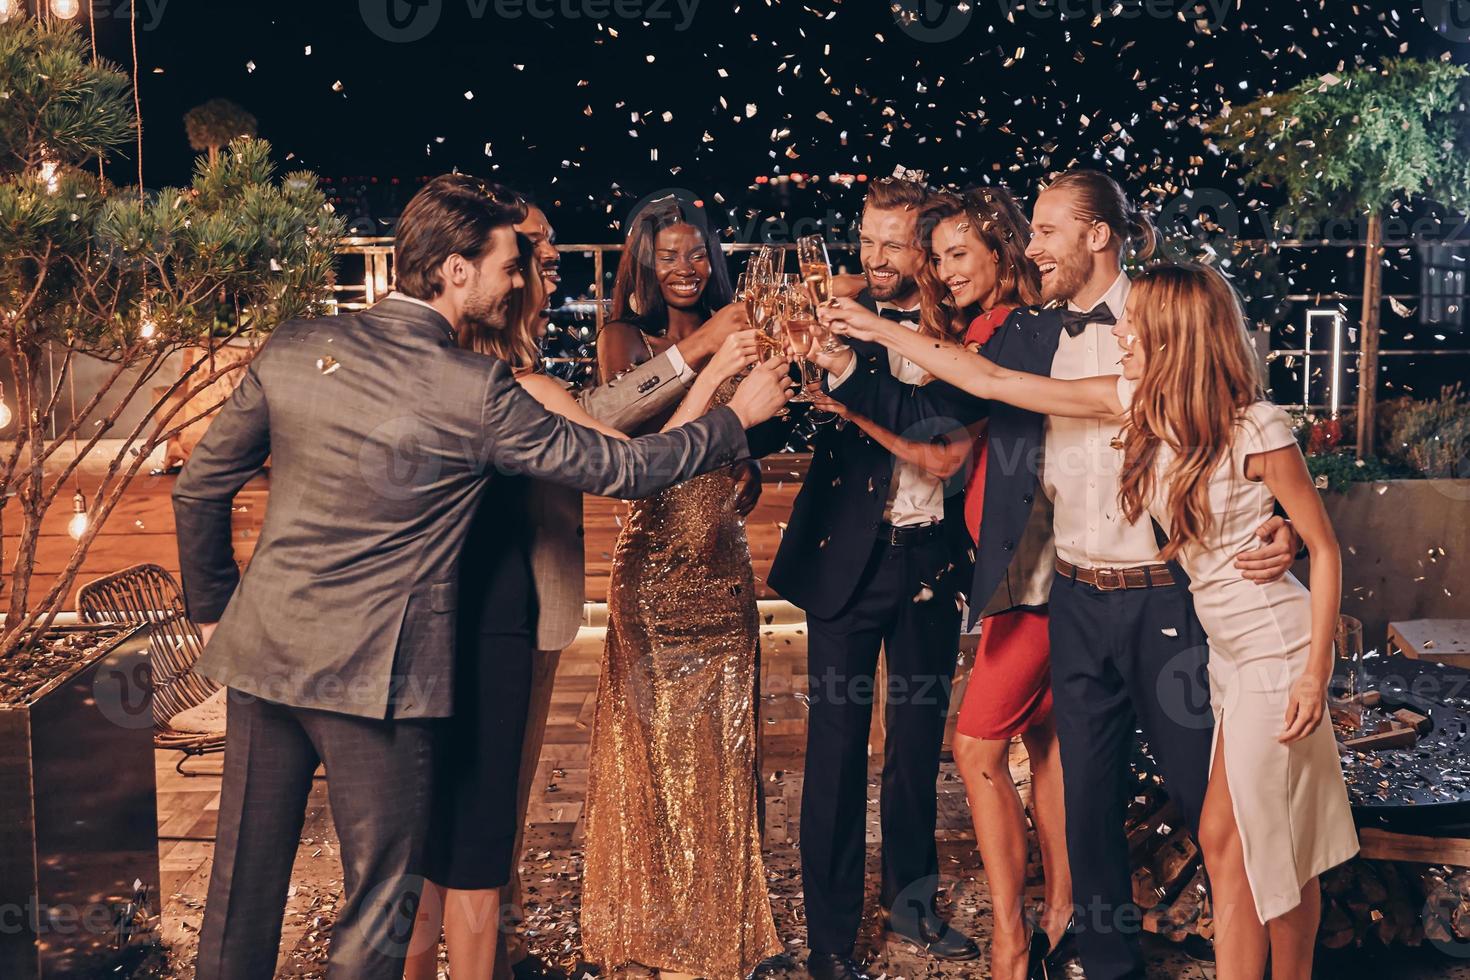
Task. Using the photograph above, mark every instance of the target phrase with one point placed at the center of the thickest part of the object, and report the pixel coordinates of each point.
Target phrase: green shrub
(1432, 437)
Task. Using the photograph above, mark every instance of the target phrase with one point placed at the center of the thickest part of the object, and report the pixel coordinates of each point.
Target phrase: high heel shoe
(1061, 961)
(1036, 963)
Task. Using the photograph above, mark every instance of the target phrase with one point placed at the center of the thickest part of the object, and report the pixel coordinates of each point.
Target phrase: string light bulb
(147, 325)
(48, 176)
(77, 526)
(66, 9)
(5, 413)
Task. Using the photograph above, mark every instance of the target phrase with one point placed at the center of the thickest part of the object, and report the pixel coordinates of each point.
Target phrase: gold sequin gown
(674, 878)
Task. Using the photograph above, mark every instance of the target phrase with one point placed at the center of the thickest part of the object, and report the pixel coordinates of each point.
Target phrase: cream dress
(1290, 801)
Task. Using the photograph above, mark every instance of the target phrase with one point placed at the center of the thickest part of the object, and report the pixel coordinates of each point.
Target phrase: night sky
(594, 105)
(725, 94)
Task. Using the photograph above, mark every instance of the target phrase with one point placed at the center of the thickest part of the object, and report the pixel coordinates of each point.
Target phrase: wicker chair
(148, 593)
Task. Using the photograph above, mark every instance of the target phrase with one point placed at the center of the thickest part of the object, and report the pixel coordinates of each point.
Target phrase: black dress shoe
(831, 966)
(929, 933)
(533, 967)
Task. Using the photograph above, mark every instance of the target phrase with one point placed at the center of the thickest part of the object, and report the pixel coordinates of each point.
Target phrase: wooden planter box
(1391, 532)
(79, 880)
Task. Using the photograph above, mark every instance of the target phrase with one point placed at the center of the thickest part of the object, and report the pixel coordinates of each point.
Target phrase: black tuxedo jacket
(1027, 341)
(835, 518)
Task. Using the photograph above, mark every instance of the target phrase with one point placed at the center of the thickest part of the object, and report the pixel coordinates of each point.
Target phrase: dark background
(996, 91)
(1002, 99)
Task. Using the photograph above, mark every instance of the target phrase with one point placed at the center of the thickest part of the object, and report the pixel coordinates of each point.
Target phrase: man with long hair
(1127, 650)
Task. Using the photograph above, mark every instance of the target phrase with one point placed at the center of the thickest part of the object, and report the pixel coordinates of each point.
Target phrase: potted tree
(89, 270)
(1363, 144)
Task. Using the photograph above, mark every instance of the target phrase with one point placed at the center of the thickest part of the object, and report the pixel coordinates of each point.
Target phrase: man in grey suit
(558, 563)
(337, 645)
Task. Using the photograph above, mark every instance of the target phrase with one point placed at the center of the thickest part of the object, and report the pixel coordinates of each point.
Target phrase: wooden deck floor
(142, 530)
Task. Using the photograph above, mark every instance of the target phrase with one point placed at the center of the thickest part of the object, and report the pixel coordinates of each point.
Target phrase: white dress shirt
(914, 496)
(1082, 467)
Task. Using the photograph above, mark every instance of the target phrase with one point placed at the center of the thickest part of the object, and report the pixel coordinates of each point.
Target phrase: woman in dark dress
(471, 848)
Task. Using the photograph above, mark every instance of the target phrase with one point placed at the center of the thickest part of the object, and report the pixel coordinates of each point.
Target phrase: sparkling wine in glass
(799, 317)
(816, 269)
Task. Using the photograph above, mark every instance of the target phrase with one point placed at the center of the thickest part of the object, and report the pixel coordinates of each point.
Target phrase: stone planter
(1391, 534)
(79, 877)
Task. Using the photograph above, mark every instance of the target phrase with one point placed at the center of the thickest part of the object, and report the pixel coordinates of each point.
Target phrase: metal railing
(377, 278)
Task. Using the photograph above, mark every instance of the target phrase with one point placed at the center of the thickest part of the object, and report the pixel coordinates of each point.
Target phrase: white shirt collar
(409, 299)
(1115, 297)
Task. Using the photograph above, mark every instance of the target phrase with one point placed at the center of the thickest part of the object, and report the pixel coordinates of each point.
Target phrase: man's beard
(902, 285)
(483, 313)
(1067, 280)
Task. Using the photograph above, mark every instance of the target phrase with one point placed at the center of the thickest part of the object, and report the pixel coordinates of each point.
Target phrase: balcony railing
(361, 286)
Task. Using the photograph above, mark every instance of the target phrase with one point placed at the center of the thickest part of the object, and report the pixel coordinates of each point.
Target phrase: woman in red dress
(979, 269)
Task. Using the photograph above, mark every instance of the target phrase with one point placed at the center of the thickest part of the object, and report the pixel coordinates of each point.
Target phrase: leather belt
(908, 533)
(1112, 579)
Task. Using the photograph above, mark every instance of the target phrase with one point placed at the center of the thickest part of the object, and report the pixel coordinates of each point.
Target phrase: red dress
(1010, 685)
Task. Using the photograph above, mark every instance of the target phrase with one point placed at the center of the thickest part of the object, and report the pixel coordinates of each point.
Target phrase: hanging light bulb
(66, 9)
(147, 326)
(77, 526)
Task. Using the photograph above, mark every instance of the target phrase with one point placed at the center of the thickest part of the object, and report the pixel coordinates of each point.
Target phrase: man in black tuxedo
(871, 554)
(1127, 651)
(337, 645)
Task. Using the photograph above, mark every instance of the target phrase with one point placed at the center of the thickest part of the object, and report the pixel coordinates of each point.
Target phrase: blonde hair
(518, 343)
(1098, 197)
(1200, 371)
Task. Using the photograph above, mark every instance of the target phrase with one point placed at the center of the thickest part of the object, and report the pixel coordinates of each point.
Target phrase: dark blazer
(382, 434)
(835, 518)
(1027, 341)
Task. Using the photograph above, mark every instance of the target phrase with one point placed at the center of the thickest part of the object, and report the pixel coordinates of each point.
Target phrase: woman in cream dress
(1208, 458)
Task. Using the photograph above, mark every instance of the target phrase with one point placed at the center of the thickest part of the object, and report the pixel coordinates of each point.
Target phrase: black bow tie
(899, 316)
(1074, 322)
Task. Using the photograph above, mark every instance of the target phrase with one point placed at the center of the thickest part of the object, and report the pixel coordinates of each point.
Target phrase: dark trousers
(918, 632)
(1122, 661)
(378, 782)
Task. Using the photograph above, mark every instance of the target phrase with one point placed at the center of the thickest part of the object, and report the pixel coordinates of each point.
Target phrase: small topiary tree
(213, 124)
(87, 268)
(1358, 145)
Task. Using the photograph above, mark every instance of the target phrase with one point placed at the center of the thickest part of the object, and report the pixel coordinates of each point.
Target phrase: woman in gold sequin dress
(673, 877)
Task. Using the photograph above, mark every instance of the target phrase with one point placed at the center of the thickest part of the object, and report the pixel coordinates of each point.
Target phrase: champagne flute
(816, 268)
(756, 292)
(799, 317)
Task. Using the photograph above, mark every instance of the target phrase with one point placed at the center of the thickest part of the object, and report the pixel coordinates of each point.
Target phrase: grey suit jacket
(382, 434)
(558, 554)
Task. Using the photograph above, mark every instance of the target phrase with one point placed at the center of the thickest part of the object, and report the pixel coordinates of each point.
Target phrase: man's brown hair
(453, 214)
(895, 194)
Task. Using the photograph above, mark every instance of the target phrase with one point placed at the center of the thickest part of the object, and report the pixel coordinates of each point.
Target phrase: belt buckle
(1108, 579)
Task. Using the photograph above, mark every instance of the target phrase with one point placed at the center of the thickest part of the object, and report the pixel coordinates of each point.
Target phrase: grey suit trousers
(378, 785)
